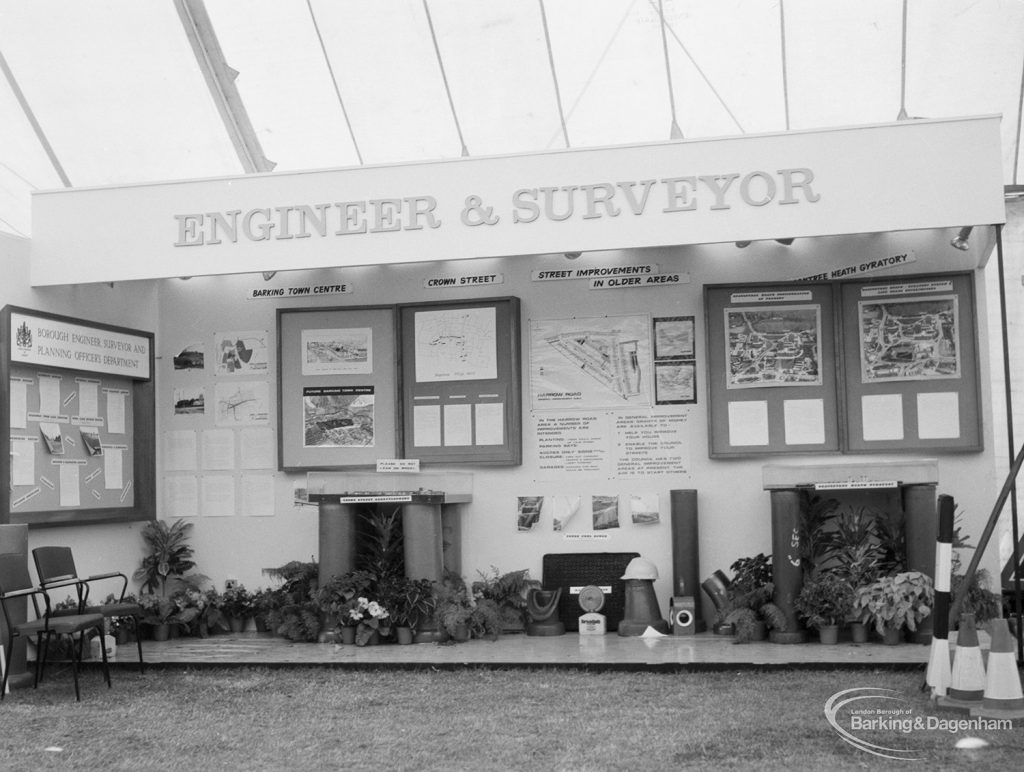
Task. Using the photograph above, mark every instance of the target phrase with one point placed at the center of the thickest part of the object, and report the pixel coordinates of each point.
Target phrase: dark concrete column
(787, 573)
(451, 530)
(685, 551)
(422, 533)
(921, 529)
(337, 540)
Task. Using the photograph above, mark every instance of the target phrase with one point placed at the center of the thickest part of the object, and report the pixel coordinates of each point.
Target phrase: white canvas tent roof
(120, 91)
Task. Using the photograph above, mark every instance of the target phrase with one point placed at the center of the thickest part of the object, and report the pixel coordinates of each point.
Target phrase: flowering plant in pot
(238, 605)
(895, 601)
(825, 600)
(371, 620)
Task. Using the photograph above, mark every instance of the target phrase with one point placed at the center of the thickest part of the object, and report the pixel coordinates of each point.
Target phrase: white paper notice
(748, 423)
(882, 416)
(218, 449)
(181, 496)
(70, 495)
(490, 423)
(19, 404)
(113, 469)
(938, 415)
(426, 426)
(258, 495)
(115, 411)
(256, 447)
(218, 492)
(180, 451)
(23, 462)
(88, 398)
(49, 395)
(458, 428)
(805, 421)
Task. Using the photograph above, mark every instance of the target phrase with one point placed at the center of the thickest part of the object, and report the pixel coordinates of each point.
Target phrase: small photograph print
(606, 512)
(337, 352)
(673, 337)
(190, 358)
(53, 438)
(338, 416)
(91, 440)
(189, 401)
(528, 512)
(563, 509)
(675, 383)
(644, 508)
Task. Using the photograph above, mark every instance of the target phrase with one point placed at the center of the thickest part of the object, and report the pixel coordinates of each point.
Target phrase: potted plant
(292, 608)
(211, 617)
(453, 607)
(508, 591)
(749, 608)
(237, 604)
(825, 601)
(409, 601)
(855, 554)
(166, 570)
(894, 602)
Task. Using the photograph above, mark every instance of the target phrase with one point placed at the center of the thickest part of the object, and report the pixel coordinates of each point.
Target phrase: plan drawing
(773, 346)
(612, 362)
(909, 340)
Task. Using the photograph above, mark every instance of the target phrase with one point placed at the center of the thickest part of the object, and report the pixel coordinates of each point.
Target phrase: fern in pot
(750, 609)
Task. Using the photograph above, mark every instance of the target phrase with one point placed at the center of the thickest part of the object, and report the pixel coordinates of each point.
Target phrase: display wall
(601, 452)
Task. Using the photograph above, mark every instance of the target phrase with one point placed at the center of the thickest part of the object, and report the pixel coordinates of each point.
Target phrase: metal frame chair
(16, 584)
(56, 568)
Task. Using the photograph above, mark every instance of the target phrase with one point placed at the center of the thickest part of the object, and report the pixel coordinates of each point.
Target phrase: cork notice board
(78, 410)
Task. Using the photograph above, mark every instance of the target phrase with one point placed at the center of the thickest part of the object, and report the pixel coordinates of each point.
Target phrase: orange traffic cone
(967, 682)
(1003, 696)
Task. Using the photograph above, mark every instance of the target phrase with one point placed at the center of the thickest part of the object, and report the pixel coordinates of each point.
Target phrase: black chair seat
(56, 568)
(66, 624)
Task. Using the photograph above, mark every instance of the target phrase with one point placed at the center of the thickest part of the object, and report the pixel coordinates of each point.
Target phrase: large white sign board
(904, 176)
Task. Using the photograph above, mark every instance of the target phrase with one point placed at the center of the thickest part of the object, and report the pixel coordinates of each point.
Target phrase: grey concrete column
(337, 540)
(787, 573)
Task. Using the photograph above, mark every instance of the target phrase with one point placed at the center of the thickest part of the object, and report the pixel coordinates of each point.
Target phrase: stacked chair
(56, 568)
(16, 586)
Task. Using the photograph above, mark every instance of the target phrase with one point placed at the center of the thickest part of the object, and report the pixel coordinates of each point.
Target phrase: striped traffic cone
(1003, 696)
(939, 675)
(967, 683)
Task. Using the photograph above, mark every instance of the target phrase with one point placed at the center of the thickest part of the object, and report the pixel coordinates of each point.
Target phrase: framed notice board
(772, 382)
(337, 387)
(910, 364)
(461, 381)
(78, 408)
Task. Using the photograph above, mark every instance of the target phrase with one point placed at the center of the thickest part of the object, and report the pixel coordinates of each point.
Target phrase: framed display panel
(78, 408)
(337, 387)
(910, 364)
(772, 383)
(461, 381)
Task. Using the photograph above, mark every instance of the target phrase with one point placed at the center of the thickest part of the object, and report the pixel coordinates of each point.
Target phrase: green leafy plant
(979, 599)
(749, 607)
(292, 608)
(236, 601)
(453, 605)
(816, 516)
(169, 555)
(508, 591)
(410, 600)
(895, 601)
(825, 599)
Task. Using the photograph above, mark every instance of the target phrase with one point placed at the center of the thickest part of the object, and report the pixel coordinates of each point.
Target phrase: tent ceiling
(112, 92)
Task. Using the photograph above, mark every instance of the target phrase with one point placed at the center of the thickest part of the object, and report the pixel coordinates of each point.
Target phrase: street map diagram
(240, 404)
(909, 340)
(456, 345)
(773, 346)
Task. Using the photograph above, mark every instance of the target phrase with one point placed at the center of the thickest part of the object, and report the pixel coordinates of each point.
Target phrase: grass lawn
(474, 719)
